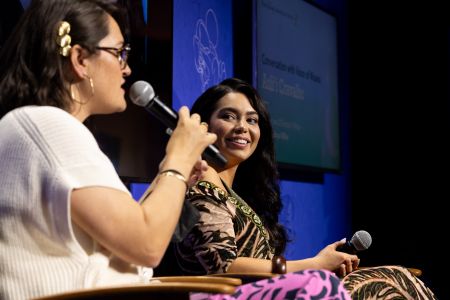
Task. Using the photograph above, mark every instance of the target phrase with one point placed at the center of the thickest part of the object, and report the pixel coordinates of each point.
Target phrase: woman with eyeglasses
(63, 208)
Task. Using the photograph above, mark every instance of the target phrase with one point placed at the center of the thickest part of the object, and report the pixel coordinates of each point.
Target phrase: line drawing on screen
(205, 41)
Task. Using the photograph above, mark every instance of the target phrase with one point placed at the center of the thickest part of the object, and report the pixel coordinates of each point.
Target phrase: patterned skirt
(386, 282)
(307, 284)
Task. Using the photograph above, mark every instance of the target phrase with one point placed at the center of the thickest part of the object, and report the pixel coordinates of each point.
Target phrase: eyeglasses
(121, 53)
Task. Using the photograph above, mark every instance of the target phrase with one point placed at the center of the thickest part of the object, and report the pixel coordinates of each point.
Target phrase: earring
(72, 95)
(91, 83)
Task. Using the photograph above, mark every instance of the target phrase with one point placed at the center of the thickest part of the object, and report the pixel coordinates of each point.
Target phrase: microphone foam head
(141, 93)
(361, 240)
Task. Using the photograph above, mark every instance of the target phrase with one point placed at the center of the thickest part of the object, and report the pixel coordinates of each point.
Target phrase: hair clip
(63, 40)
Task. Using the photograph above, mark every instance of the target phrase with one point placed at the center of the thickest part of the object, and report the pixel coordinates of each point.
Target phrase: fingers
(200, 166)
(349, 266)
(196, 117)
(339, 243)
(356, 264)
(342, 271)
(183, 113)
(204, 126)
(188, 140)
(198, 172)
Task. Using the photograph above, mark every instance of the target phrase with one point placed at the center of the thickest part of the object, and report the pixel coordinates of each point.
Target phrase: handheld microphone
(360, 241)
(142, 94)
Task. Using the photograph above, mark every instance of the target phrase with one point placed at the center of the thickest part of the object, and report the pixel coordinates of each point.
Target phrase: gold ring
(204, 124)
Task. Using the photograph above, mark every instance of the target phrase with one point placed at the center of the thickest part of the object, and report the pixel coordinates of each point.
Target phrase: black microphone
(360, 241)
(142, 94)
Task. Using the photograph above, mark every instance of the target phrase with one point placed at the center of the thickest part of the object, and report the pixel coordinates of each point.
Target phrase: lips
(239, 141)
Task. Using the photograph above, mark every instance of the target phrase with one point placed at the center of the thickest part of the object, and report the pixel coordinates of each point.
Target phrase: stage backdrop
(202, 47)
(315, 214)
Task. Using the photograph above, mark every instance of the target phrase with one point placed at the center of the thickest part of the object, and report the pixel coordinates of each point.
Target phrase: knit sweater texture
(45, 153)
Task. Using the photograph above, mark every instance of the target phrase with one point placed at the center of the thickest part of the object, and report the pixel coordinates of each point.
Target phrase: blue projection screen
(296, 74)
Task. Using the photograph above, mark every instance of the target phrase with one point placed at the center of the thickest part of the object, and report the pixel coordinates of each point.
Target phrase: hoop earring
(91, 83)
(74, 99)
(72, 94)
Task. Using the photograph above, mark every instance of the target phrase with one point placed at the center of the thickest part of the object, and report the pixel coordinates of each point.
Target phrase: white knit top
(45, 153)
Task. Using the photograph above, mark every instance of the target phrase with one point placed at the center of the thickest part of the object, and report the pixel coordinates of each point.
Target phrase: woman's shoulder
(206, 196)
(51, 121)
(42, 118)
(45, 114)
(210, 190)
(53, 130)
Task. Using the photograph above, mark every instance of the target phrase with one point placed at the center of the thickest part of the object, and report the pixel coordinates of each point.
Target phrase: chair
(167, 288)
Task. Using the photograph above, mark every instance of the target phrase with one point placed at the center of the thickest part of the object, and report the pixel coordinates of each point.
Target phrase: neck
(79, 114)
(214, 176)
(228, 175)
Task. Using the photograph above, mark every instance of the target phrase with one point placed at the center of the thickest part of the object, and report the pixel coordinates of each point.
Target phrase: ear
(79, 61)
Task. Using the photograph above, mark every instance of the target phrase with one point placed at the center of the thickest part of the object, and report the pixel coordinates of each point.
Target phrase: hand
(198, 171)
(339, 262)
(187, 142)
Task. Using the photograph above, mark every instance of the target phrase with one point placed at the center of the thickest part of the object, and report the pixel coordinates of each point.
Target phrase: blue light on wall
(202, 47)
(25, 3)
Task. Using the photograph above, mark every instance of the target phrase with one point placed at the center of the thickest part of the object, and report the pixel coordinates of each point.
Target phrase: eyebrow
(120, 44)
(232, 109)
(117, 45)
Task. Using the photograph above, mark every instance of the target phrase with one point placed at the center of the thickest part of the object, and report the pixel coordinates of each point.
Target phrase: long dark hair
(32, 71)
(256, 178)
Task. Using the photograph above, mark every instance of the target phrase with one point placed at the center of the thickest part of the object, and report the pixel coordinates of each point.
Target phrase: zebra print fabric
(386, 282)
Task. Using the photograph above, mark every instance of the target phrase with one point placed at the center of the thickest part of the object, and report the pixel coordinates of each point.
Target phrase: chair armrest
(202, 279)
(152, 291)
(415, 272)
(246, 277)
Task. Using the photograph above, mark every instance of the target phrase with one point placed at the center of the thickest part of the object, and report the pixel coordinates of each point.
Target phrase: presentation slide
(296, 74)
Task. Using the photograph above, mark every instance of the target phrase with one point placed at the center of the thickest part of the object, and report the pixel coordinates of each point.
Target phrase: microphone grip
(347, 248)
(162, 112)
(214, 157)
(169, 118)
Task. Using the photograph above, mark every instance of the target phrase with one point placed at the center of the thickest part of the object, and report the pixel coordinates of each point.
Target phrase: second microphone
(142, 94)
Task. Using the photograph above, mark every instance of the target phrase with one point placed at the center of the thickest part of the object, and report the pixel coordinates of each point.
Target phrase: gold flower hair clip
(63, 39)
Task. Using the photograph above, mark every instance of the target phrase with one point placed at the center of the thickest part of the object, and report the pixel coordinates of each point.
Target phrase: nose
(241, 126)
(127, 71)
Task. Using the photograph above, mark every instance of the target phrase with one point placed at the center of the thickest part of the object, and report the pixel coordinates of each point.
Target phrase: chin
(122, 107)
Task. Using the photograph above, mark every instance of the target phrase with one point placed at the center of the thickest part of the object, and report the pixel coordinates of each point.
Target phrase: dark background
(400, 133)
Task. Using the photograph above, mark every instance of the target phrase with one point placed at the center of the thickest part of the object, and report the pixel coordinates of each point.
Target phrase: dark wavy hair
(256, 178)
(32, 71)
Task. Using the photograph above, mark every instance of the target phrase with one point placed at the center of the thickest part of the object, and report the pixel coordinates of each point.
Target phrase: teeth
(240, 141)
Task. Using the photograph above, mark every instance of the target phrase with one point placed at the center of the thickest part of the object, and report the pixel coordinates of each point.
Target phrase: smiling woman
(238, 229)
(236, 123)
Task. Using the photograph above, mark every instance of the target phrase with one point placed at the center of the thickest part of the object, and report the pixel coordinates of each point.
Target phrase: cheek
(256, 134)
(220, 132)
(218, 128)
